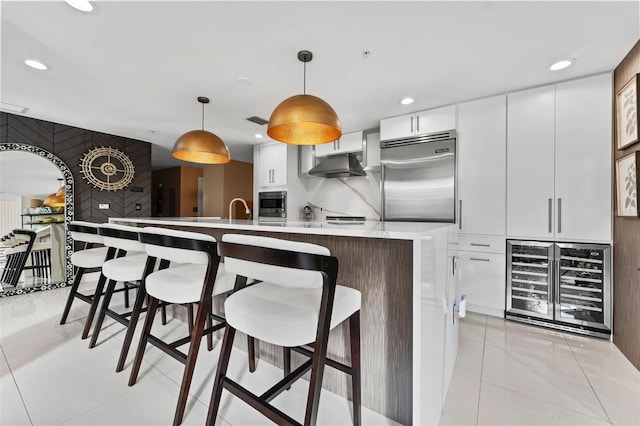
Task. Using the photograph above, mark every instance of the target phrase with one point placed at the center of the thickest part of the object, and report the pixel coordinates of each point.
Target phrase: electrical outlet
(102, 206)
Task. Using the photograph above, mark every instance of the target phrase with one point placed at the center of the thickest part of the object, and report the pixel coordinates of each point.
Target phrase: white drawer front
(482, 243)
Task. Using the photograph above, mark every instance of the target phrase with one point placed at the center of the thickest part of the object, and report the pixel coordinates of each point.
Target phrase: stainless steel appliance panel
(272, 204)
(418, 181)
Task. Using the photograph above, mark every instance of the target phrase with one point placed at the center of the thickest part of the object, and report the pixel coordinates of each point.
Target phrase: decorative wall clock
(107, 168)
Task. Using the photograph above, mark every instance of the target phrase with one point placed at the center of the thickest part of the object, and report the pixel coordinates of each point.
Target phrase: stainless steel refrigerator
(560, 285)
(418, 178)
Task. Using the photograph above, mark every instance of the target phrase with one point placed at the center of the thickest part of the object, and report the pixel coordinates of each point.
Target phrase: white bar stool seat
(286, 316)
(127, 268)
(183, 284)
(89, 258)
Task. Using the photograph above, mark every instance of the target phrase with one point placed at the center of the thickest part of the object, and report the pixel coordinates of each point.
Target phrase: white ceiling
(135, 68)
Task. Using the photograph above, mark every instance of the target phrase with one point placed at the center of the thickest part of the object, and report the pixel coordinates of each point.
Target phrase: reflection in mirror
(32, 222)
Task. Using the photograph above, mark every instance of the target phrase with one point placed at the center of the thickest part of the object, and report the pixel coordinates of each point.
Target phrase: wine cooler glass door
(582, 284)
(530, 277)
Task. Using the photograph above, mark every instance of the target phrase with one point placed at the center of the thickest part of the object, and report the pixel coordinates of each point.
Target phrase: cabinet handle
(411, 124)
(559, 215)
(480, 259)
(338, 144)
(274, 175)
(480, 245)
(550, 213)
(418, 124)
(460, 208)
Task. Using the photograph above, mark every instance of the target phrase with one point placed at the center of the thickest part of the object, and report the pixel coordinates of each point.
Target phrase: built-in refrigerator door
(529, 278)
(583, 285)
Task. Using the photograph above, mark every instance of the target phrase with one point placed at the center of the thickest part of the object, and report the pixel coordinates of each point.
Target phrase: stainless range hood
(336, 166)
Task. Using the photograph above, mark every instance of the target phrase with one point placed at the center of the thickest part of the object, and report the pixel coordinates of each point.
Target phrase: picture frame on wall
(627, 113)
(627, 185)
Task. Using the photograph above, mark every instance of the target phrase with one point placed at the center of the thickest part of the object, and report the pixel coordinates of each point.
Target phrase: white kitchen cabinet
(348, 142)
(273, 164)
(418, 123)
(530, 164)
(372, 151)
(482, 279)
(558, 161)
(583, 159)
(481, 151)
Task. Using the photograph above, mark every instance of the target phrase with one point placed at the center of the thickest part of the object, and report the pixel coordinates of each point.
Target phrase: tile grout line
(16, 384)
(588, 381)
(484, 344)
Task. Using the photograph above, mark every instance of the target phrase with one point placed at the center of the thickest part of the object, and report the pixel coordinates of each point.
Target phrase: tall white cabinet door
(482, 134)
(530, 162)
(583, 159)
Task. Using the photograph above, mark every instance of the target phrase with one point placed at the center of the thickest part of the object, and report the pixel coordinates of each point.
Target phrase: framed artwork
(627, 184)
(627, 114)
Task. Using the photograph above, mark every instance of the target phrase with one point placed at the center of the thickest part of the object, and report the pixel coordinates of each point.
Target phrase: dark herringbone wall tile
(70, 144)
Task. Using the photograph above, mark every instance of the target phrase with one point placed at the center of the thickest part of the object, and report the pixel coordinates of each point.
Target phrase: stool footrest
(328, 361)
(168, 348)
(258, 403)
(121, 318)
(285, 383)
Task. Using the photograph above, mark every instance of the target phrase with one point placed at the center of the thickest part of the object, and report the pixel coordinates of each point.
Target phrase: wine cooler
(560, 285)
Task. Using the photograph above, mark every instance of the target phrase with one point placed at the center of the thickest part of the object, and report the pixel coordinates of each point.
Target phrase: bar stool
(297, 303)
(90, 257)
(128, 267)
(197, 278)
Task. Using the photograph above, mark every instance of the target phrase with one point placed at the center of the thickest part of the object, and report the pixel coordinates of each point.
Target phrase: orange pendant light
(304, 119)
(200, 146)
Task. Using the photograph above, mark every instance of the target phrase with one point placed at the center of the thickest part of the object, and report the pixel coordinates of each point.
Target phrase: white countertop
(370, 229)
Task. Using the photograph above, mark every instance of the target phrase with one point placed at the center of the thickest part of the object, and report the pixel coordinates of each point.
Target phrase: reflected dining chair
(296, 304)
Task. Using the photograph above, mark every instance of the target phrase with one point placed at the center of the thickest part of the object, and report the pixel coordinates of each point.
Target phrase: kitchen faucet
(246, 207)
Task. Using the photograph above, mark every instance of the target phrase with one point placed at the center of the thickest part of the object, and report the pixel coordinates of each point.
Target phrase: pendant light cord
(203, 116)
(304, 79)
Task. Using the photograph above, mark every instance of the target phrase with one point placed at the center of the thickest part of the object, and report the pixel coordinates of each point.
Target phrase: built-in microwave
(272, 204)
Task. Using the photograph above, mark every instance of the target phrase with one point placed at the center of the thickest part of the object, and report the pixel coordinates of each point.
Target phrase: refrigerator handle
(460, 210)
(550, 214)
(559, 215)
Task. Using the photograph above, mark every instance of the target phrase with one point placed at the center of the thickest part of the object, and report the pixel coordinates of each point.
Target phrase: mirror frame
(68, 215)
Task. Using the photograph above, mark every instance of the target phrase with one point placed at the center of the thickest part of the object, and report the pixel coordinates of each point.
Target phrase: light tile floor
(505, 374)
(509, 373)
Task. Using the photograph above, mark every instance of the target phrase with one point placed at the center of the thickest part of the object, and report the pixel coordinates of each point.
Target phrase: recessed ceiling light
(258, 136)
(406, 101)
(36, 64)
(81, 5)
(560, 65)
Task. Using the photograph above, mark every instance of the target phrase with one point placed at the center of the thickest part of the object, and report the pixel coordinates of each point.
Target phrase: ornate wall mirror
(28, 176)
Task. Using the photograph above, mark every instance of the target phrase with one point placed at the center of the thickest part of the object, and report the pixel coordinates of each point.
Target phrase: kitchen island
(405, 272)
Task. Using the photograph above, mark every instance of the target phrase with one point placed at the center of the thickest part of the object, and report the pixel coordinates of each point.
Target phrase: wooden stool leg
(286, 357)
(204, 309)
(135, 314)
(148, 322)
(126, 294)
(103, 311)
(190, 316)
(354, 335)
(221, 372)
(251, 345)
(210, 335)
(94, 305)
(72, 294)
